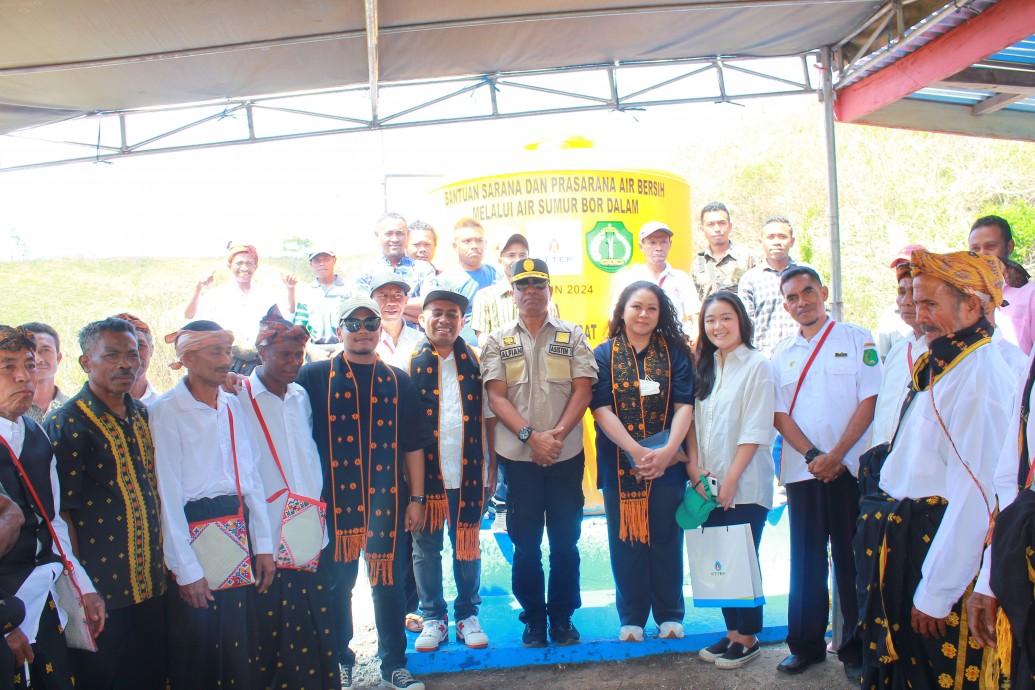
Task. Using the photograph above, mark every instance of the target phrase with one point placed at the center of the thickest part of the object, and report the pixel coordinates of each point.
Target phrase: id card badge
(649, 387)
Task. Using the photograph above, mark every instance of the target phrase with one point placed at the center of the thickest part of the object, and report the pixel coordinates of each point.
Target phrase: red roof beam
(1001, 25)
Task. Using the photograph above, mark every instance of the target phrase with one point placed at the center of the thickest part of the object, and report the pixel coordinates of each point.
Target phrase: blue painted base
(597, 620)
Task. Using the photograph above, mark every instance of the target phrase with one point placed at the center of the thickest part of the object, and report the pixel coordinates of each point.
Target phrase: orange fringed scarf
(424, 370)
(643, 416)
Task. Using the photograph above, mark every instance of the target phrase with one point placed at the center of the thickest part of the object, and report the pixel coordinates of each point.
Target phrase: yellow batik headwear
(975, 274)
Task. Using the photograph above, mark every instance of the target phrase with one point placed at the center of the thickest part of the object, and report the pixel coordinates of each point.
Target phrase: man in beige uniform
(538, 373)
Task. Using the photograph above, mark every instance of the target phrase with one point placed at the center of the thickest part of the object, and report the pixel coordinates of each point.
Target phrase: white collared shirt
(236, 311)
(970, 400)
(739, 411)
(838, 381)
(450, 423)
(193, 460)
(678, 285)
(898, 374)
(398, 354)
(1012, 354)
(149, 396)
(39, 584)
(290, 424)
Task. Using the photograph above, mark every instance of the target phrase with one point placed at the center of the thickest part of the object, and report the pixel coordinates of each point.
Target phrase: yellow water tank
(583, 218)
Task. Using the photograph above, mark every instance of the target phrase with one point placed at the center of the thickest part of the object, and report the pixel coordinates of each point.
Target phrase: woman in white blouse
(730, 440)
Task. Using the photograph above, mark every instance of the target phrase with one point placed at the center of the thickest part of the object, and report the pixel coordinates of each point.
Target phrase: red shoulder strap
(269, 441)
(808, 364)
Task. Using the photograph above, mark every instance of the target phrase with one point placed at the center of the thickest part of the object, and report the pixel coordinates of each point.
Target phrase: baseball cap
(516, 238)
(652, 227)
(387, 278)
(357, 302)
(447, 296)
(904, 255)
(321, 250)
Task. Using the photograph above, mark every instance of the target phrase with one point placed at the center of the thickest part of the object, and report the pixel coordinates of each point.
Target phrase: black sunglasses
(352, 325)
(539, 284)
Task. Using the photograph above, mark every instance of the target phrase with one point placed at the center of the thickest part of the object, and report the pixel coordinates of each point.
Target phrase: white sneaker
(433, 634)
(499, 525)
(630, 633)
(670, 630)
(469, 631)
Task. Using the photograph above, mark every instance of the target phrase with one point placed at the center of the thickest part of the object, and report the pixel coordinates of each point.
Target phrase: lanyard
(909, 358)
(269, 442)
(808, 365)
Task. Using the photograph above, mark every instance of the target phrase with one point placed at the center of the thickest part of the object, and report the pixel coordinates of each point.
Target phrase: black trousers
(648, 577)
(549, 497)
(131, 652)
(389, 605)
(746, 621)
(821, 513)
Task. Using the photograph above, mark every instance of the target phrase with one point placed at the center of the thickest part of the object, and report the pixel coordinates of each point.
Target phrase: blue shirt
(467, 283)
(682, 392)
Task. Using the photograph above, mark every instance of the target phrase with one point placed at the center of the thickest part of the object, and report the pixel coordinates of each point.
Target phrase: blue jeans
(427, 568)
(549, 497)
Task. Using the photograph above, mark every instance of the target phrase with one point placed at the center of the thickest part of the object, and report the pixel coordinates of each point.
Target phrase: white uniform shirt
(398, 354)
(290, 423)
(739, 410)
(193, 460)
(678, 285)
(149, 396)
(450, 423)
(970, 400)
(235, 311)
(40, 582)
(898, 374)
(1012, 354)
(837, 382)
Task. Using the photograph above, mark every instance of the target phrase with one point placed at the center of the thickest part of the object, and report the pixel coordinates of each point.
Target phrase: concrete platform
(597, 620)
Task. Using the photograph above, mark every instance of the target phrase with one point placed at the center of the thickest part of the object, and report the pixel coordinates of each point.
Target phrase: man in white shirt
(920, 542)
(397, 338)
(898, 366)
(208, 469)
(656, 243)
(827, 377)
(31, 567)
(445, 371)
(294, 652)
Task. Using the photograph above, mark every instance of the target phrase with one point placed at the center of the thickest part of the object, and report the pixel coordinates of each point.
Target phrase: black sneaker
(710, 654)
(401, 679)
(738, 655)
(534, 635)
(564, 634)
(346, 676)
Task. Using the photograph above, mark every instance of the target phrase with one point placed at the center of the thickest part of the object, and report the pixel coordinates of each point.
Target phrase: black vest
(34, 536)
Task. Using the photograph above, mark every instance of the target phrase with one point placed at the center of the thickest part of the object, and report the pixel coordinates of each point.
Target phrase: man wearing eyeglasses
(538, 373)
(370, 431)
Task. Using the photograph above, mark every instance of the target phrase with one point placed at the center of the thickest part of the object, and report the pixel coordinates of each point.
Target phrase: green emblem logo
(609, 245)
(870, 358)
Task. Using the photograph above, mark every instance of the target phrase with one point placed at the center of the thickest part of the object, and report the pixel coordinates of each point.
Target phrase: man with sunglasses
(370, 433)
(538, 373)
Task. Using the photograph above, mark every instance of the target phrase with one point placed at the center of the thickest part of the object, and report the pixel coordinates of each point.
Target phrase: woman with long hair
(643, 391)
(731, 440)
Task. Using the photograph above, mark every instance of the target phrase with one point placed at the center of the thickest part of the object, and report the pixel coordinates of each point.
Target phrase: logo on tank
(609, 245)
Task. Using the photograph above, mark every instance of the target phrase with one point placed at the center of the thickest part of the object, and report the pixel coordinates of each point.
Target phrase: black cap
(446, 296)
(516, 238)
(527, 269)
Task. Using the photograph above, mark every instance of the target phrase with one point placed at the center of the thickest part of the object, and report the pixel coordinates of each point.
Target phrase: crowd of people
(210, 536)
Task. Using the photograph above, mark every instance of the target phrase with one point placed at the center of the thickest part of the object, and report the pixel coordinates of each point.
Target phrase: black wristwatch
(811, 454)
(417, 499)
(525, 434)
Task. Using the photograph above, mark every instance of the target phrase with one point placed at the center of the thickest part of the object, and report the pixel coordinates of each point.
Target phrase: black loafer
(796, 663)
(853, 670)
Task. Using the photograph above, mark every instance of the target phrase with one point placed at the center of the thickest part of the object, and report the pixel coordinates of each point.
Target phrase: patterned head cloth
(197, 335)
(13, 339)
(974, 274)
(274, 328)
(233, 248)
(138, 324)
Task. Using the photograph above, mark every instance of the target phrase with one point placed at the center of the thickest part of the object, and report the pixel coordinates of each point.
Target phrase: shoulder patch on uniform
(509, 340)
(562, 337)
(870, 357)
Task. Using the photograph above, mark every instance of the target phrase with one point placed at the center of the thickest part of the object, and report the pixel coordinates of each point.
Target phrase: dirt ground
(663, 672)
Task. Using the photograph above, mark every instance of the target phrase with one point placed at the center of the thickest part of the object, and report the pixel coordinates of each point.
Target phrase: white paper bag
(724, 567)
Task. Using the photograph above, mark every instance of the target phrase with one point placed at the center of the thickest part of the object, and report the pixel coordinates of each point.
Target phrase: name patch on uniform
(562, 337)
(870, 357)
(840, 354)
(562, 350)
(511, 352)
(509, 340)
